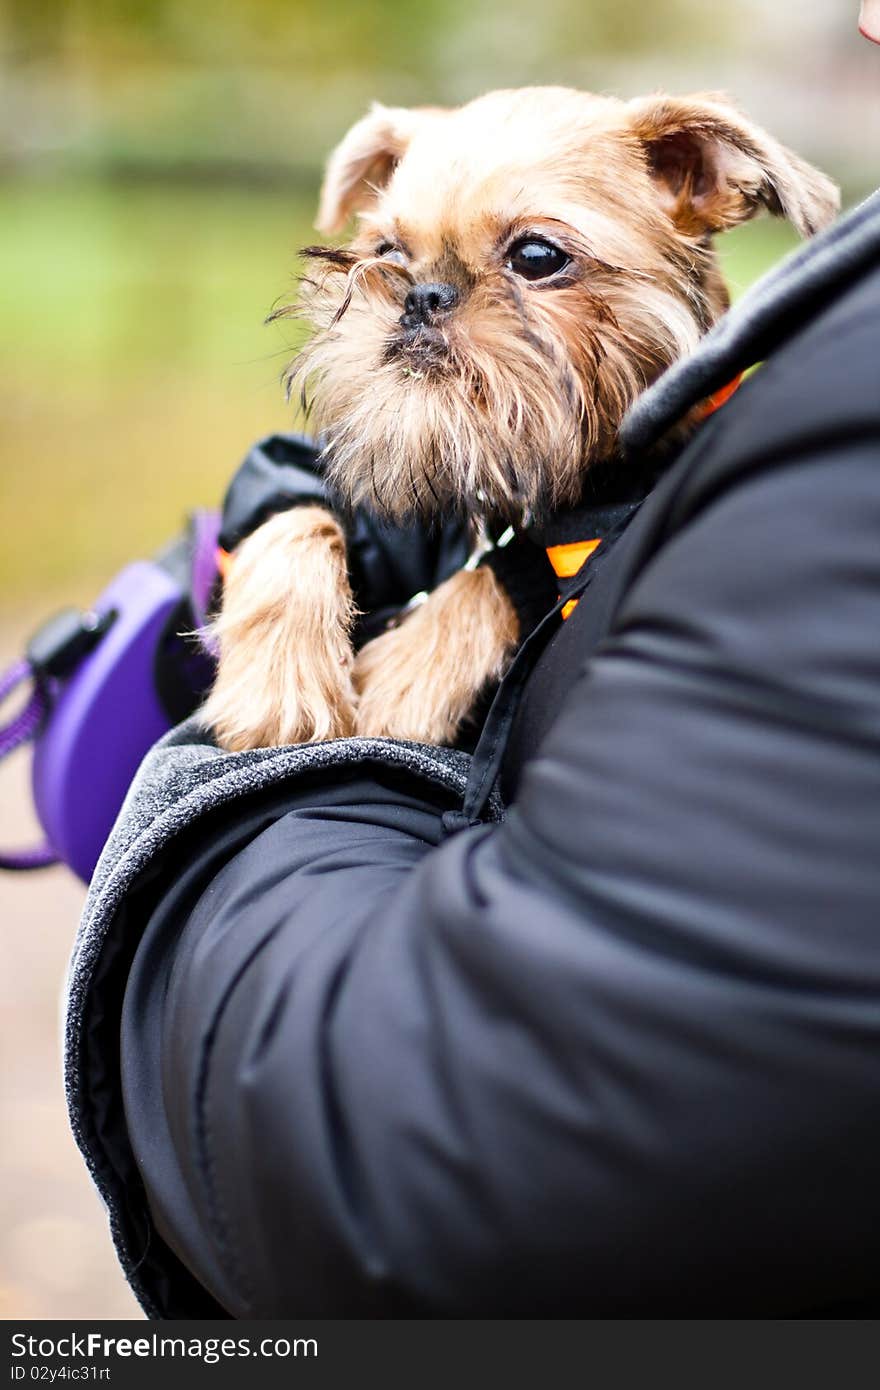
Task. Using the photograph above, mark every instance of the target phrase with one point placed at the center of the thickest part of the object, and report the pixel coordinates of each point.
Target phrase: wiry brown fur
(499, 406)
(494, 411)
(283, 634)
(467, 630)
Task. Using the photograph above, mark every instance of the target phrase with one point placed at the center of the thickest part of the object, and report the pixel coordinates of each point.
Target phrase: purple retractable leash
(104, 686)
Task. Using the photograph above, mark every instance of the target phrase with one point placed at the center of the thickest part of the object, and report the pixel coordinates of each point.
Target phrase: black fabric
(199, 854)
(169, 1230)
(491, 747)
(612, 491)
(620, 1054)
(387, 564)
(279, 472)
(526, 575)
(531, 711)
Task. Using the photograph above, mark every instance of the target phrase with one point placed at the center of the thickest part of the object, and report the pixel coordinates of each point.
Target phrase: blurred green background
(159, 163)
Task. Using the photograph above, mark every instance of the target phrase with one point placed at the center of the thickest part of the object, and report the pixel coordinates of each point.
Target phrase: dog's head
(524, 266)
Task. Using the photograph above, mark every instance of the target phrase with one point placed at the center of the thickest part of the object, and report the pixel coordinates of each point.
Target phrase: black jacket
(619, 1054)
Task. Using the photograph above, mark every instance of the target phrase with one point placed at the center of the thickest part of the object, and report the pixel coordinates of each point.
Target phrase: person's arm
(617, 1054)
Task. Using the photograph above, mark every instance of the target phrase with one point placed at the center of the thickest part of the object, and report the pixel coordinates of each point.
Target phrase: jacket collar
(774, 308)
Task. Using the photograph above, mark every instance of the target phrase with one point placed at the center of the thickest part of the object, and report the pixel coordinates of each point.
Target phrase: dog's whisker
(285, 311)
(343, 307)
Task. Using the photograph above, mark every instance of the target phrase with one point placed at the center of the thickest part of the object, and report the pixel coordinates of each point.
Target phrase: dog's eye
(389, 252)
(535, 260)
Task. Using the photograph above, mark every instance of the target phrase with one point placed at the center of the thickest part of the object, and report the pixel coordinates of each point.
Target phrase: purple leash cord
(21, 729)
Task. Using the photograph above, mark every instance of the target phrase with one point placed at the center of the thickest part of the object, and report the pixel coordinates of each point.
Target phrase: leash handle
(54, 651)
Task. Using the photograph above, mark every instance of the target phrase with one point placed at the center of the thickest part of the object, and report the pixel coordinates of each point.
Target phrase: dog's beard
(497, 413)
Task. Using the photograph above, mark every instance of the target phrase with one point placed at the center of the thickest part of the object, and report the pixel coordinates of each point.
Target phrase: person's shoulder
(816, 396)
(820, 288)
(793, 447)
(819, 389)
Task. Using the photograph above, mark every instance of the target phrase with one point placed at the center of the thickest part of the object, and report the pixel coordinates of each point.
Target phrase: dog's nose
(425, 302)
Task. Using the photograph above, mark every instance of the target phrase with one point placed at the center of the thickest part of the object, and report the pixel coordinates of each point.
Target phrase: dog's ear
(714, 168)
(363, 162)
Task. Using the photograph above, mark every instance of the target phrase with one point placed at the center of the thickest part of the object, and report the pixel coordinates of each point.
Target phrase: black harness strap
(492, 744)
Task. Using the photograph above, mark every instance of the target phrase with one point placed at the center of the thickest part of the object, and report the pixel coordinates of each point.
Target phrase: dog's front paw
(284, 672)
(421, 680)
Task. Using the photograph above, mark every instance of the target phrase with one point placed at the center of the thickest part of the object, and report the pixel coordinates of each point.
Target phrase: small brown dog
(524, 267)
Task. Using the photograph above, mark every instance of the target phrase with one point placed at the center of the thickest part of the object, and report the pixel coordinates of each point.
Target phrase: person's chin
(869, 21)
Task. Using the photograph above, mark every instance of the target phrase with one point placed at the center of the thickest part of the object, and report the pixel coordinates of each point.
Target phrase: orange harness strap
(719, 398)
(567, 560)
